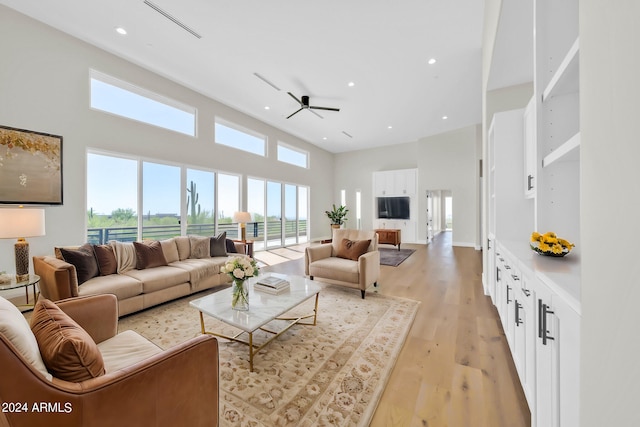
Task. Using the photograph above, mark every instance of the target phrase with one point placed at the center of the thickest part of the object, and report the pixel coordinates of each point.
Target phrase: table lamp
(18, 223)
(242, 218)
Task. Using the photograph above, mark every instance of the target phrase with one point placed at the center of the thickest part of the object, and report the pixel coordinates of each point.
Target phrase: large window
(112, 198)
(273, 229)
(228, 203)
(236, 136)
(124, 99)
(200, 202)
(161, 211)
(293, 156)
(131, 199)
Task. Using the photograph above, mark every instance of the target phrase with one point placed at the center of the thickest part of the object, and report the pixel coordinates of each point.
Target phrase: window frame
(144, 93)
(295, 149)
(242, 129)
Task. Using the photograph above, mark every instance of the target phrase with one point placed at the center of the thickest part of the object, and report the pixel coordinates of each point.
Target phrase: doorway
(439, 212)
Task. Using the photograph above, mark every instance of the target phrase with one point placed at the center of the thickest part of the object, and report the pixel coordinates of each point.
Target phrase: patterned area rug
(330, 374)
(394, 257)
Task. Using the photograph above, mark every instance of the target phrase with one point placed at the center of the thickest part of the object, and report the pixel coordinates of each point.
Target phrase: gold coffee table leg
(250, 351)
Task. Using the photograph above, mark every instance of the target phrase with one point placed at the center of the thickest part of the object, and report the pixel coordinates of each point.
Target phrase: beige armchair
(328, 263)
(178, 386)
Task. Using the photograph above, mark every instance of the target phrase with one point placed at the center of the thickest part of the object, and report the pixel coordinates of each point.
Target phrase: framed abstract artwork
(30, 167)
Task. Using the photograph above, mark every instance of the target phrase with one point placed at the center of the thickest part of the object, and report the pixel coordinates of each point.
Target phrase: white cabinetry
(543, 323)
(530, 169)
(398, 183)
(511, 216)
(395, 183)
(558, 361)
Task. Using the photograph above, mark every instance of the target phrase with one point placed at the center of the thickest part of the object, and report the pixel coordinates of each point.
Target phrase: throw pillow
(84, 260)
(16, 329)
(125, 255)
(200, 247)
(218, 246)
(170, 250)
(67, 350)
(106, 258)
(352, 249)
(149, 254)
(231, 247)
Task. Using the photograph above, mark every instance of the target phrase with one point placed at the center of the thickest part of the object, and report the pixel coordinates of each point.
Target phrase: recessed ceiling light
(431, 61)
(121, 31)
(389, 127)
(351, 84)
(266, 107)
(445, 117)
(324, 138)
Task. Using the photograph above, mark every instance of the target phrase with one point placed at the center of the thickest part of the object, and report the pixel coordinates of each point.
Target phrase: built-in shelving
(565, 79)
(570, 151)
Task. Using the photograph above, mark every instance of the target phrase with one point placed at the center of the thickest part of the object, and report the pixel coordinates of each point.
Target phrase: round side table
(32, 280)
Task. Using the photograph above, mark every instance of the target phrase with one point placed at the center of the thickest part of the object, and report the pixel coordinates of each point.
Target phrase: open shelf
(565, 79)
(567, 151)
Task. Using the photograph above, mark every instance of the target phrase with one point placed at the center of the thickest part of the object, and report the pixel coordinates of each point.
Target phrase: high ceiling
(307, 48)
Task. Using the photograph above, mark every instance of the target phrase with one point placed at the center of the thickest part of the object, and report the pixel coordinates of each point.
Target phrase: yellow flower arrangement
(550, 244)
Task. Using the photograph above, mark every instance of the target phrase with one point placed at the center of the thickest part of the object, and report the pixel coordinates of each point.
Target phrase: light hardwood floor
(455, 369)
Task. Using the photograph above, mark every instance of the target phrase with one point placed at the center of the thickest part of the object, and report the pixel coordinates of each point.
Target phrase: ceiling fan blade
(294, 97)
(294, 113)
(325, 108)
(315, 113)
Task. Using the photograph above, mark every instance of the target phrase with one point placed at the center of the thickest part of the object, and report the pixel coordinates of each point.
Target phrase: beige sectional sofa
(159, 271)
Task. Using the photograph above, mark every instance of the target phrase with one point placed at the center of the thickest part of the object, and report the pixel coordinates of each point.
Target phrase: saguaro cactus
(193, 207)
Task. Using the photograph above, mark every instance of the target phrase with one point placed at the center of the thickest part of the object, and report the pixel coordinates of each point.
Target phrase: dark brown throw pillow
(231, 247)
(84, 260)
(107, 263)
(149, 254)
(67, 350)
(218, 245)
(352, 249)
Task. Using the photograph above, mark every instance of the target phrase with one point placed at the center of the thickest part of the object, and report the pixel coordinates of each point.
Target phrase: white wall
(44, 86)
(446, 161)
(449, 161)
(354, 171)
(610, 212)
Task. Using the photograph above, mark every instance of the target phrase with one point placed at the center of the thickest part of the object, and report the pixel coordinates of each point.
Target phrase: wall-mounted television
(393, 207)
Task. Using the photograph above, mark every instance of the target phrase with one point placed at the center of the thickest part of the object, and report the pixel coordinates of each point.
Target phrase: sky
(111, 180)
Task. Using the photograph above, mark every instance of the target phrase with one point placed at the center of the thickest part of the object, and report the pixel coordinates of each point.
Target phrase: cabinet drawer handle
(508, 289)
(515, 277)
(518, 308)
(506, 267)
(529, 184)
(543, 311)
(526, 292)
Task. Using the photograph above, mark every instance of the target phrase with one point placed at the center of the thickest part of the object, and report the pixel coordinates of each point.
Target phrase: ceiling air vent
(172, 18)
(347, 134)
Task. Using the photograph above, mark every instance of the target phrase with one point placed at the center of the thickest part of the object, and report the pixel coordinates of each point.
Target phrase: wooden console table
(389, 236)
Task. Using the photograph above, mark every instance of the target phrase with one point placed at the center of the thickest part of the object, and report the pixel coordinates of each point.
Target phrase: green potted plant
(338, 215)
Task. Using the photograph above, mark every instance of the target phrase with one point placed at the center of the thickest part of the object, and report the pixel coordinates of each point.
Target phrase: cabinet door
(558, 363)
(546, 361)
(530, 149)
(380, 183)
(404, 182)
(525, 341)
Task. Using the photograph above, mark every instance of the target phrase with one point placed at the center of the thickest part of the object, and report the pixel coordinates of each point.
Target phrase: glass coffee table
(263, 308)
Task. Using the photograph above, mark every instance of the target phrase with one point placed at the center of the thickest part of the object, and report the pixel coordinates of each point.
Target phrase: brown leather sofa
(178, 386)
(326, 263)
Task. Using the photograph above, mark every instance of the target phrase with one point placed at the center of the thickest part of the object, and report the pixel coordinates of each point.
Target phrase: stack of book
(271, 285)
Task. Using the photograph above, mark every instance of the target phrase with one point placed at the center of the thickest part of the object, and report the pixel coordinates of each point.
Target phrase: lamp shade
(241, 217)
(20, 222)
